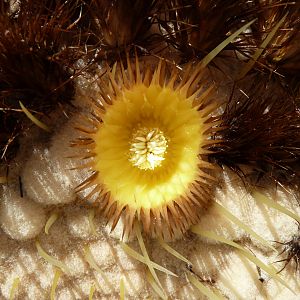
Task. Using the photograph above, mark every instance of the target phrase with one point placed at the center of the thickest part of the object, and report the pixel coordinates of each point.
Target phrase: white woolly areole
(20, 218)
(45, 181)
(232, 196)
(239, 277)
(48, 176)
(270, 223)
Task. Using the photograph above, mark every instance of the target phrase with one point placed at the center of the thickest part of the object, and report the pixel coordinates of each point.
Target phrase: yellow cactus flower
(147, 143)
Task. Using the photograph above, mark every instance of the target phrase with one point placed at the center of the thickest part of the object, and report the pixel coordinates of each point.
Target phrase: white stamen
(148, 148)
(140, 138)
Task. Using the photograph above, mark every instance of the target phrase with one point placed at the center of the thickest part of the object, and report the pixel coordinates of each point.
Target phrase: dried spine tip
(292, 249)
(116, 26)
(272, 149)
(35, 60)
(273, 41)
(148, 146)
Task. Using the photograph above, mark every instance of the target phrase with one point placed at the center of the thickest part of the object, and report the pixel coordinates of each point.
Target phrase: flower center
(148, 148)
